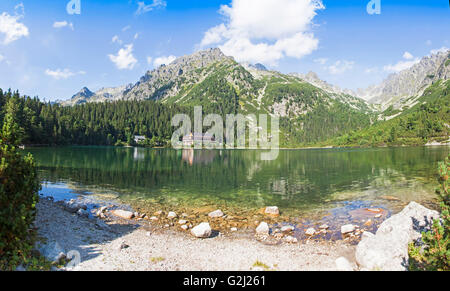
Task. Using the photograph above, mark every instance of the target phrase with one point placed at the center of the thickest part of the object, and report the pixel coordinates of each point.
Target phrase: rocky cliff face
(102, 95)
(313, 79)
(404, 88)
(82, 97)
(167, 81)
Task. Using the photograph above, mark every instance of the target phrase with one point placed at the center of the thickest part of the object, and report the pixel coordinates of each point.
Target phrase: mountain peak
(397, 88)
(257, 66)
(84, 92)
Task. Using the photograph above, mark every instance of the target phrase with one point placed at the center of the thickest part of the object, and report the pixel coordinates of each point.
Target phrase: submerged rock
(83, 213)
(216, 214)
(388, 249)
(272, 211)
(203, 230)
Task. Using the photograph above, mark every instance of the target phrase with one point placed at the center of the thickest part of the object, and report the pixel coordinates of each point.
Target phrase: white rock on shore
(388, 249)
(310, 231)
(263, 228)
(291, 239)
(342, 264)
(203, 230)
(73, 206)
(172, 215)
(287, 228)
(123, 214)
(349, 228)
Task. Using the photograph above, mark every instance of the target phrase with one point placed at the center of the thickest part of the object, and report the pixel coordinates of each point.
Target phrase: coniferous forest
(116, 123)
(89, 124)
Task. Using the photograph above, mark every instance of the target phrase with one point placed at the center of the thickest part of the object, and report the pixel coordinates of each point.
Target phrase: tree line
(111, 123)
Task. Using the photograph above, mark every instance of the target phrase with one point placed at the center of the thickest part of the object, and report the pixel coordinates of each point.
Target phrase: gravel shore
(127, 246)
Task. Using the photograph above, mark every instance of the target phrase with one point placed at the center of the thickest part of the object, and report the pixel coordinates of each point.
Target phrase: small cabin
(139, 138)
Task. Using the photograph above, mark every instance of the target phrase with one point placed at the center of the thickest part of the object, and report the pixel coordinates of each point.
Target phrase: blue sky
(44, 51)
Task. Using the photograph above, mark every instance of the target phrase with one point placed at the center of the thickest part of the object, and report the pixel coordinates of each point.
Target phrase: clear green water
(298, 182)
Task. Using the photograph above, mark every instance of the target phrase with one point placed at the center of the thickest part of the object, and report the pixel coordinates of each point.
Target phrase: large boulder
(203, 230)
(263, 229)
(388, 249)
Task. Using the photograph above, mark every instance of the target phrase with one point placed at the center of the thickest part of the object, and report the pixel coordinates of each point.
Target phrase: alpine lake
(311, 187)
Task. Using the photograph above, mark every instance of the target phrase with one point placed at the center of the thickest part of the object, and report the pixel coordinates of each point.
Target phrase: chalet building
(197, 138)
(139, 138)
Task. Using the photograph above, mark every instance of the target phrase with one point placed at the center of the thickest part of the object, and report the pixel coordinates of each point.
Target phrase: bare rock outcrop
(387, 250)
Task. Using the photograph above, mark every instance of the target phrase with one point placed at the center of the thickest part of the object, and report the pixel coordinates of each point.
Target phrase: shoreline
(130, 245)
(121, 240)
(430, 144)
(232, 221)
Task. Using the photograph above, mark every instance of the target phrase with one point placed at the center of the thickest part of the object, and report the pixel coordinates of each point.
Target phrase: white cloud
(124, 60)
(371, 70)
(401, 65)
(116, 39)
(1, 58)
(265, 31)
(410, 61)
(428, 42)
(144, 8)
(61, 24)
(163, 61)
(321, 61)
(11, 28)
(62, 74)
(149, 60)
(340, 67)
(408, 56)
(136, 36)
(126, 28)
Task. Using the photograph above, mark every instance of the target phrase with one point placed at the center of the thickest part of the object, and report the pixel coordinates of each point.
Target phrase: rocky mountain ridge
(178, 81)
(404, 88)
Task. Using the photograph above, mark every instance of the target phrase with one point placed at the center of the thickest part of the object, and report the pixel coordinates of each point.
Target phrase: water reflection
(299, 179)
(204, 157)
